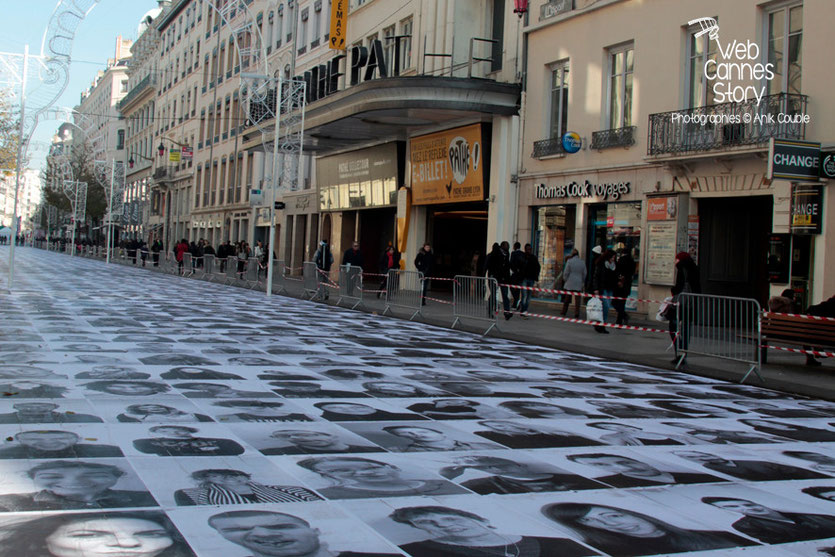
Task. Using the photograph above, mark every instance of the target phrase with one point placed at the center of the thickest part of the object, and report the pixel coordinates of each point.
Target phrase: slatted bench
(796, 330)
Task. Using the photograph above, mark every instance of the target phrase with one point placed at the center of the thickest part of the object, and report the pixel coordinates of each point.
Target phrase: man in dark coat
(498, 267)
(425, 263)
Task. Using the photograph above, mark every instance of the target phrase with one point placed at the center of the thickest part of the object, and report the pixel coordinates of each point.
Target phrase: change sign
(798, 161)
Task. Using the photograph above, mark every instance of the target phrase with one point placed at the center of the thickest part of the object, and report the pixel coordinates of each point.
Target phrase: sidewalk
(784, 372)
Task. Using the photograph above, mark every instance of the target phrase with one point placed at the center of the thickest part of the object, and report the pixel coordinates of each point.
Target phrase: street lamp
(131, 162)
(161, 146)
(520, 7)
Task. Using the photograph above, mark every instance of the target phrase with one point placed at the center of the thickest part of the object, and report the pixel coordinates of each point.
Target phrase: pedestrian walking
(180, 249)
(574, 277)
(530, 276)
(425, 263)
(498, 267)
(604, 281)
(625, 270)
(517, 264)
(687, 280)
(242, 253)
(389, 260)
(352, 259)
(323, 259)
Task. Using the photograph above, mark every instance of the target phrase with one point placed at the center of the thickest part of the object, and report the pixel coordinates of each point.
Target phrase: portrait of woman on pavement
(117, 534)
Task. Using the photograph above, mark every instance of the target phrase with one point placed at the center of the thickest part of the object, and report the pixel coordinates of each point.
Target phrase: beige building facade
(675, 126)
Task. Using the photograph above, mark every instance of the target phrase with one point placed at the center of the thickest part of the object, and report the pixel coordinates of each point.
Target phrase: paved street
(150, 415)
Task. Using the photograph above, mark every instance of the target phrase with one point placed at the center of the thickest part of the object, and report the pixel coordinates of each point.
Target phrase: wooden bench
(800, 331)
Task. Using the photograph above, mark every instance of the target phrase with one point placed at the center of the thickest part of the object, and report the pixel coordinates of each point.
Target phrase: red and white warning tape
(576, 293)
(596, 323)
(800, 315)
(819, 353)
(440, 301)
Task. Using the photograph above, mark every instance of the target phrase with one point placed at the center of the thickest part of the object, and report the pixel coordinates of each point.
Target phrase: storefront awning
(395, 108)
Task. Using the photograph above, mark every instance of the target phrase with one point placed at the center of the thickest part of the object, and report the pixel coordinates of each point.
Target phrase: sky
(95, 42)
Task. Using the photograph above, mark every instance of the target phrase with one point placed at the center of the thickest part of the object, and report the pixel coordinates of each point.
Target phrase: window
(198, 183)
(785, 42)
(699, 51)
(302, 39)
(558, 120)
(120, 140)
(621, 63)
(388, 47)
(369, 41)
(316, 26)
(406, 44)
(123, 86)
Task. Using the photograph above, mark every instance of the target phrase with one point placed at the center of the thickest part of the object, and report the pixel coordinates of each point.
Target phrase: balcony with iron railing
(727, 125)
(618, 137)
(149, 81)
(547, 148)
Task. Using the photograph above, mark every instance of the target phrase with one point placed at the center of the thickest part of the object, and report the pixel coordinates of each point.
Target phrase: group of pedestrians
(510, 269)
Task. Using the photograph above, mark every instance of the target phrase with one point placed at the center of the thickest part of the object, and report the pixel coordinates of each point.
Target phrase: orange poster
(447, 166)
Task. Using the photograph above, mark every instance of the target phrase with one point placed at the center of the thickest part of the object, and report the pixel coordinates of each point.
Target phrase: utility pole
(20, 140)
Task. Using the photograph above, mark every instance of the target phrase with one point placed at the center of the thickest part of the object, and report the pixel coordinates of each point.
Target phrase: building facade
(98, 116)
(137, 108)
(675, 126)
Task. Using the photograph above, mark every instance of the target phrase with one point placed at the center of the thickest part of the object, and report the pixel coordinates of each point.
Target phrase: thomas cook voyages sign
(447, 166)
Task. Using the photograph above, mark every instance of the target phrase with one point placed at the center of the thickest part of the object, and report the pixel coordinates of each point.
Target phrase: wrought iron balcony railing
(618, 137)
(547, 147)
(726, 125)
(149, 81)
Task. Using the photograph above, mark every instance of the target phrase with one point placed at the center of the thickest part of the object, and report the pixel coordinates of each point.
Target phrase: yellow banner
(447, 166)
(174, 155)
(339, 24)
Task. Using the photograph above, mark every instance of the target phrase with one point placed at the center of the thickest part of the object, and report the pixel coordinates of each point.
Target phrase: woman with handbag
(603, 283)
(573, 278)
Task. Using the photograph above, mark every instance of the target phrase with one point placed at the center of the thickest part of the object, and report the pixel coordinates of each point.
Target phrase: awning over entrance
(391, 109)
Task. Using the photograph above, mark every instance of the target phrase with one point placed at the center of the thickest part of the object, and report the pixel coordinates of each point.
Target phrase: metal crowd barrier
(350, 285)
(197, 263)
(310, 280)
(231, 270)
(252, 275)
(719, 327)
(171, 265)
(404, 289)
(187, 267)
(279, 278)
(476, 298)
(208, 266)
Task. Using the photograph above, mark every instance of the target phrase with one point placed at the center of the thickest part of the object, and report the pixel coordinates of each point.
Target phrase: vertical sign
(807, 209)
(339, 24)
(693, 237)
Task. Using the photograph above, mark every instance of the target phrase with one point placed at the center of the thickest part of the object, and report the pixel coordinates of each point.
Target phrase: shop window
(621, 64)
(615, 226)
(785, 41)
(558, 119)
(553, 240)
(699, 51)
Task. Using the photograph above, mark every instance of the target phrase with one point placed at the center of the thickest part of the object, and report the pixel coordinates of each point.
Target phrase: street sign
(256, 197)
(279, 205)
(187, 153)
(173, 155)
(797, 161)
(339, 24)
